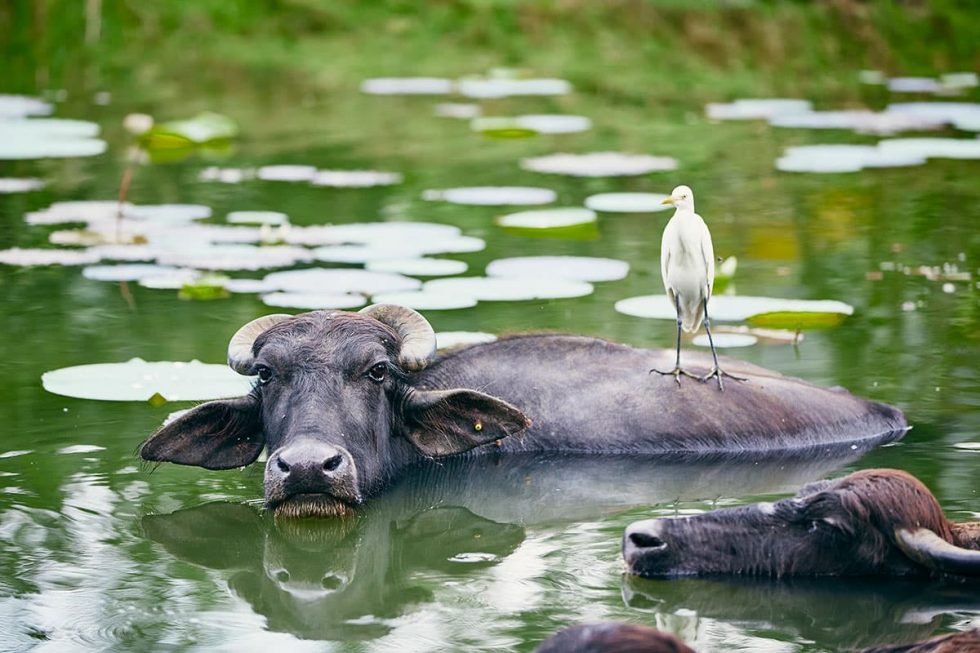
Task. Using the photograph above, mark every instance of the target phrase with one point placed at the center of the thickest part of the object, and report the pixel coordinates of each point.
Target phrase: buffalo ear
(220, 434)
(446, 422)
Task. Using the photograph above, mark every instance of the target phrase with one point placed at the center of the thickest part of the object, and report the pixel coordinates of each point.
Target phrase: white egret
(687, 265)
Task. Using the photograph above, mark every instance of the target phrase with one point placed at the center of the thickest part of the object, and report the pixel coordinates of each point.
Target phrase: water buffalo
(873, 522)
(632, 638)
(344, 401)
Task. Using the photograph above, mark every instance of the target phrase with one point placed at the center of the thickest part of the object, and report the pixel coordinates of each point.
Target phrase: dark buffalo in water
(871, 523)
(344, 401)
(633, 638)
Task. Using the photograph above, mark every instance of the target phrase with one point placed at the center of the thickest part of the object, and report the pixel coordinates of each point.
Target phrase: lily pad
(355, 178)
(756, 109)
(205, 288)
(367, 233)
(47, 138)
(21, 106)
(913, 85)
(554, 123)
(476, 87)
(962, 115)
(579, 268)
(168, 213)
(797, 320)
(226, 175)
(425, 300)
(173, 280)
(132, 253)
(132, 272)
(844, 158)
(257, 217)
(931, 148)
(599, 164)
(730, 308)
(419, 267)
(235, 257)
(286, 173)
(314, 300)
(627, 202)
(340, 281)
(450, 339)
(387, 250)
(510, 288)
(407, 86)
(36, 257)
(139, 380)
(459, 110)
(204, 128)
(15, 185)
(547, 218)
(725, 340)
(80, 211)
(862, 122)
(493, 195)
(248, 286)
(497, 127)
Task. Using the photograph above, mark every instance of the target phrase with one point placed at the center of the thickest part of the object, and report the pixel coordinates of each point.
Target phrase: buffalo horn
(240, 356)
(418, 340)
(930, 550)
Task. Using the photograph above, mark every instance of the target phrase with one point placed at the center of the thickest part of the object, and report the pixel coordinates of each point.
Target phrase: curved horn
(418, 346)
(240, 356)
(930, 550)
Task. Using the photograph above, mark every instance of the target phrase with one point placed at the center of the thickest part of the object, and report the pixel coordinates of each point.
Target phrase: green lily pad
(502, 128)
(205, 288)
(204, 128)
(139, 380)
(797, 320)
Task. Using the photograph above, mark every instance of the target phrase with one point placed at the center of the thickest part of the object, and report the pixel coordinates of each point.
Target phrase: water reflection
(450, 524)
(839, 615)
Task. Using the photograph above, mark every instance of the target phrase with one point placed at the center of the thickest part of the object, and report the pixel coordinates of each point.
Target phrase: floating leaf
(962, 115)
(862, 122)
(174, 280)
(547, 218)
(133, 272)
(797, 320)
(426, 300)
(450, 339)
(756, 109)
(476, 87)
(204, 128)
(459, 110)
(509, 289)
(313, 300)
(843, 158)
(407, 86)
(355, 178)
(372, 233)
(205, 288)
(913, 85)
(340, 281)
(579, 268)
(492, 195)
(226, 175)
(235, 257)
(46, 138)
(419, 267)
(248, 286)
(931, 148)
(32, 257)
(729, 308)
(286, 173)
(21, 106)
(139, 380)
(599, 164)
(496, 127)
(627, 202)
(554, 123)
(257, 217)
(725, 340)
(14, 185)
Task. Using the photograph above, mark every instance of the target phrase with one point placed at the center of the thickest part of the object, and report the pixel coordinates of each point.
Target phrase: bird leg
(677, 371)
(716, 371)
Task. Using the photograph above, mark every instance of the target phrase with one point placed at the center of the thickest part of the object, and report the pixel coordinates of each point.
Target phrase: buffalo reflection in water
(348, 578)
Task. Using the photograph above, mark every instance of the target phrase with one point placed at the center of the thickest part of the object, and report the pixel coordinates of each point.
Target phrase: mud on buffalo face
(335, 406)
(873, 522)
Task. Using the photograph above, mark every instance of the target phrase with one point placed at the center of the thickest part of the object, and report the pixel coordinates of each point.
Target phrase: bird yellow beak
(669, 200)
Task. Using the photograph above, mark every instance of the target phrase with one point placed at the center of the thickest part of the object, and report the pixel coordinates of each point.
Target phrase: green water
(98, 552)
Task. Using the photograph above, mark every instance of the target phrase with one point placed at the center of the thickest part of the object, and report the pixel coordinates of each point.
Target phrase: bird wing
(708, 254)
(665, 253)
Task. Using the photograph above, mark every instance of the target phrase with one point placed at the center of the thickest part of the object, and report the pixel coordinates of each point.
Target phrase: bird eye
(265, 374)
(377, 373)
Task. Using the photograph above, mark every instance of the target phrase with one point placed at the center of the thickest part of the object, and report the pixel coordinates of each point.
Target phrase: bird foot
(676, 373)
(717, 373)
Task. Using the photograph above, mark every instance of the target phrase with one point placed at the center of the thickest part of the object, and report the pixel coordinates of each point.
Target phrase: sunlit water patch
(580, 268)
(627, 202)
(492, 195)
(140, 380)
(599, 164)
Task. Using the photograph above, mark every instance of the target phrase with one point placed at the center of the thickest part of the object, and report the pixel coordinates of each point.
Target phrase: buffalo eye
(377, 373)
(264, 374)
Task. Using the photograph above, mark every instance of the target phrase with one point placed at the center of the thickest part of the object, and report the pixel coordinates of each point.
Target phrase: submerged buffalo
(871, 523)
(344, 401)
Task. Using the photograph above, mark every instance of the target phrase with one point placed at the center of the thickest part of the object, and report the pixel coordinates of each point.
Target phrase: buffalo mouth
(301, 506)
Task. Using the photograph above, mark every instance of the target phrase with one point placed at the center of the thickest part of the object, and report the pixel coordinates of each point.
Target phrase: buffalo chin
(312, 505)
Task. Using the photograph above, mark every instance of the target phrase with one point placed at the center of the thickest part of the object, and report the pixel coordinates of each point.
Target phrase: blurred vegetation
(628, 51)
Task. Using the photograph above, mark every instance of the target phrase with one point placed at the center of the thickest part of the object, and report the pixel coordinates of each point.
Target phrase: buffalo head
(338, 406)
(873, 522)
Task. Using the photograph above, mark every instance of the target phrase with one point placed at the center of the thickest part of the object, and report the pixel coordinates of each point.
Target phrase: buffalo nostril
(282, 576)
(331, 582)
(647, 541)
(332, 463)
(282, 465)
